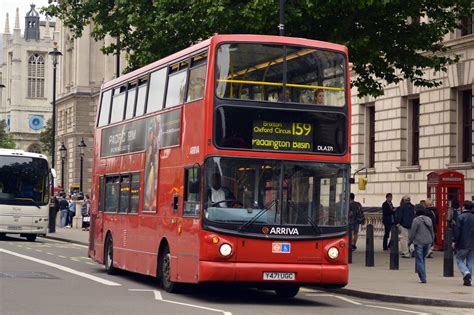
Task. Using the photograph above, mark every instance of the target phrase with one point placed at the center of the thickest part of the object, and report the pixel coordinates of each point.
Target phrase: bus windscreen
(23, 181)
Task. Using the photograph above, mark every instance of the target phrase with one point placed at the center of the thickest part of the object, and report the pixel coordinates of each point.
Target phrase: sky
(9, 6)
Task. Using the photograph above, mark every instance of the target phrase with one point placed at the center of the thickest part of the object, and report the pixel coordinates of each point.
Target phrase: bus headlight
(333, 252)
(225, 250)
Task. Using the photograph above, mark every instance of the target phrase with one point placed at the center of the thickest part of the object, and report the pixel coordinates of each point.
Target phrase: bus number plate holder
(279, 276)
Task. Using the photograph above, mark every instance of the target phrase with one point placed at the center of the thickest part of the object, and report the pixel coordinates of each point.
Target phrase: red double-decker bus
(228, 161)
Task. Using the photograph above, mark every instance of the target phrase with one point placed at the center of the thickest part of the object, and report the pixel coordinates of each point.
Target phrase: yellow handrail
(314, 87)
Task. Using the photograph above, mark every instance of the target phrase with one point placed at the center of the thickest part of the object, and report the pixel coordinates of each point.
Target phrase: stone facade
(440, 131)
(82, 69)
(26, 72)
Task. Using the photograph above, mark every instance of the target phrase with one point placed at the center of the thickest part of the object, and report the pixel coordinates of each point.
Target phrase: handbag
(86, 219)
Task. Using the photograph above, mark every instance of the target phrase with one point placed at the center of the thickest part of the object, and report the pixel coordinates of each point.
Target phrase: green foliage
(46, 138)
(383, 44)
(6, 139)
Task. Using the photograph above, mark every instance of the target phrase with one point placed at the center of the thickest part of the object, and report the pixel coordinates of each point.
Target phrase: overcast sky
(9, 6)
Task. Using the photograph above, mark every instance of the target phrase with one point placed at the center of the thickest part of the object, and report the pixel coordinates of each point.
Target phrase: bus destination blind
(282, 136)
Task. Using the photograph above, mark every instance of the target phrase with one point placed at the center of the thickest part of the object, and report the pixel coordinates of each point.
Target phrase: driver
(217, 194)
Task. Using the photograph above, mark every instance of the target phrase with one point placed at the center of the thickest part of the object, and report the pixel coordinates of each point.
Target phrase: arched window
(36, 76)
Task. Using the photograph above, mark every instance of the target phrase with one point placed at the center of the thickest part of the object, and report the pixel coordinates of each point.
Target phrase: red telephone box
(444, 186)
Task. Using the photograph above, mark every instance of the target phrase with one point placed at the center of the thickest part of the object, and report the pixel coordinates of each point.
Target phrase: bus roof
(14, 152)
(216, 39)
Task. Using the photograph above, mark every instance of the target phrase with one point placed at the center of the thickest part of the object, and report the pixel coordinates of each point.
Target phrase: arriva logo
(284, 231)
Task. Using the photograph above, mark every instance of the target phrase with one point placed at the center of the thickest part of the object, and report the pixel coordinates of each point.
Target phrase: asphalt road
(52, 277)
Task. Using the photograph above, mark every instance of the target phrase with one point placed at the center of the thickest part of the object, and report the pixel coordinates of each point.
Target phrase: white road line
(49, 253)
(61, 256)
(63, 268)
(160, 298)
(337, 297)
(38, 250)
(396, 309)
(79, 245)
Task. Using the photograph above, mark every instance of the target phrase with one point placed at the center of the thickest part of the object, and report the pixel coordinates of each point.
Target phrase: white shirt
(218, 195)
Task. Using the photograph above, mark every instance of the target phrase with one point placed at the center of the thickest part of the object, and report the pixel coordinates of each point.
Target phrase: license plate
(280, 276)
(14, 227)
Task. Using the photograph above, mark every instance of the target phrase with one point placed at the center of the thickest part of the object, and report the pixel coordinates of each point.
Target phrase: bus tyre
(109, 256)
(287, 291)
(165, 272)
(31, 237)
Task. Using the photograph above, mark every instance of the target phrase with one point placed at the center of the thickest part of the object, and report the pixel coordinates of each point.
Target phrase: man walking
(404, 218)
(356, 218)
(422, 235)
(463, 242)
(63, 209)
(387, 210)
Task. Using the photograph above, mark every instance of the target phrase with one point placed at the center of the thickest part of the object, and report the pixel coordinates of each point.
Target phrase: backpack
(360, 217)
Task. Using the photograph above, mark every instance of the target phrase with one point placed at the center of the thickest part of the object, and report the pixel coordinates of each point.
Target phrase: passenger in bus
(219, 196)
(319, 97)
(284, 96)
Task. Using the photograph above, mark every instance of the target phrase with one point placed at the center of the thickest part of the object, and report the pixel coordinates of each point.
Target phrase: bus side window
(101, 193)
(134, 193)
(105, 108)
(112, 187)
(192, 192)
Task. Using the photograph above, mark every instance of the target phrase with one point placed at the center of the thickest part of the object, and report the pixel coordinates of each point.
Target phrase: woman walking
(85, 212)
(422, 235)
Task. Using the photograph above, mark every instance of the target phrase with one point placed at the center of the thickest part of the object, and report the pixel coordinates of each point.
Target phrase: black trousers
(386, 234)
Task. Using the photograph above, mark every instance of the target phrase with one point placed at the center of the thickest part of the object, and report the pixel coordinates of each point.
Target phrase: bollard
(349, 251)
(369, 246)
(448, 266)
(394, 255)
(52, 219)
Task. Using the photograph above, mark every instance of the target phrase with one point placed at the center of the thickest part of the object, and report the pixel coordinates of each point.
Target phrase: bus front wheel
(109, 256)
(287, 291)
(31, 237)
(165, 272)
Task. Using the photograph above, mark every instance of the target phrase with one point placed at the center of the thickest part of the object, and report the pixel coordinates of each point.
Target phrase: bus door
(188, 227)
(97, 220)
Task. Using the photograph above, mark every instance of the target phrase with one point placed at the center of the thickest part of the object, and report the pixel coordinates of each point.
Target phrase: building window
(466, 26)
(36, 76)
(415, 131)
(371, 136)
(467, 126)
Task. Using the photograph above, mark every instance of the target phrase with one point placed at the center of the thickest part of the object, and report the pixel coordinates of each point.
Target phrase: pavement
(377, 282)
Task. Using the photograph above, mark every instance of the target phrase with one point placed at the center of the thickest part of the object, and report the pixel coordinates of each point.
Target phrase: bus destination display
(282, 136)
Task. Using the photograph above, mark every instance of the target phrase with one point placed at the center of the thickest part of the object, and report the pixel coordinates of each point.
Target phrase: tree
(46, 137)
(386, 41)
(6, 139)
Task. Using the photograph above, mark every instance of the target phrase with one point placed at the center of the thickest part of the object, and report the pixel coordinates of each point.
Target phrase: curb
(63, 239)
(401, 299)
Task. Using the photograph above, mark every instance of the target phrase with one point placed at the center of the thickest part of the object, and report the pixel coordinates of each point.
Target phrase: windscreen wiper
(315, 227)
(30, 200)
(258, 215)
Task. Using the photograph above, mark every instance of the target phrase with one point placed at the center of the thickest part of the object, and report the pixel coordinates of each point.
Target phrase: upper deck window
(118, 104)
(277, 73)
(177, 84)
(157, 91)
(105, 108)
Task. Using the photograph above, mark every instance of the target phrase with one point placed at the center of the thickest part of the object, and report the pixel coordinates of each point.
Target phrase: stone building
(82, 69)
(25, 71)
(411, 131)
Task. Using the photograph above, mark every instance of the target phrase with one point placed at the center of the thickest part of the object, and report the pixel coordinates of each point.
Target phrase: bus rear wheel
(109, 256)
(31, 237)
(165, 273)
(288, 291)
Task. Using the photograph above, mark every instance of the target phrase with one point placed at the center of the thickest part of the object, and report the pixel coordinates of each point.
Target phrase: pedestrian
(85, 212)
(463, 243)
(432, 213)
(404, 218)
(356, 218)
(421, 234)
(453, 213)
(71, 211)
(63, 209)
(387, 219)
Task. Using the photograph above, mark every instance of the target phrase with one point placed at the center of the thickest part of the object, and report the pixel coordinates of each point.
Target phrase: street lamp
(62, 151)
(55, 53)
(81, 146)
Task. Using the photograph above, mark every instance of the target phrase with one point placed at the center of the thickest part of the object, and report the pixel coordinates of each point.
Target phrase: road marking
(396, 309)
(337, 297)
(307, 290)
(38, 250)
(63, 268)
(49, 253)
(160, 298)
(79, 245)
(61, 256)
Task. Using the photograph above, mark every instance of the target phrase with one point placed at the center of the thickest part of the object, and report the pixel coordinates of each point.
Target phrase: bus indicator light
(215, 240)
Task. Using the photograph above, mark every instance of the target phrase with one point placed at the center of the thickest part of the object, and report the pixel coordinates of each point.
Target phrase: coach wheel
(31, 237)
(109, 257)
(165, 272)
(287, 291)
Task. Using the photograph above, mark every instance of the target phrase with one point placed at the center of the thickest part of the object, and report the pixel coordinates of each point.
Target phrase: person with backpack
(403, 219)
(356, 218)
(422, 235)
(463, 242)
(387, 219)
